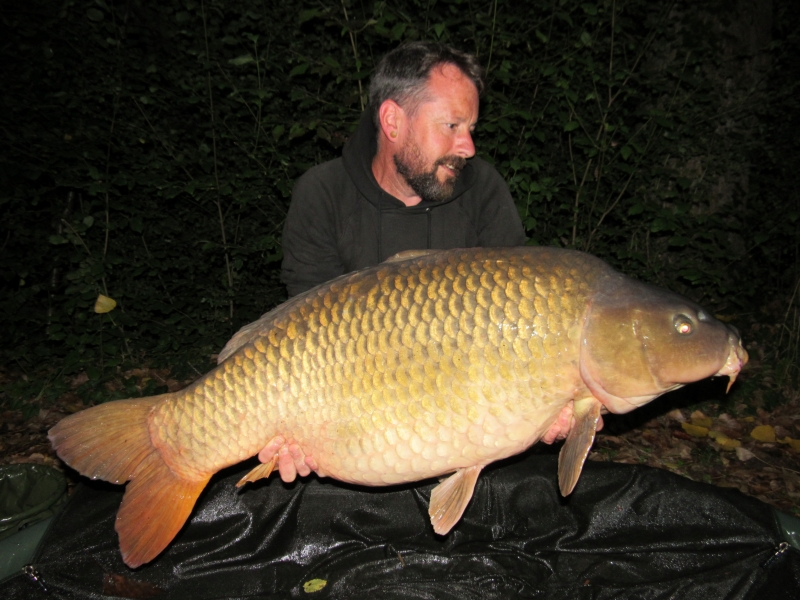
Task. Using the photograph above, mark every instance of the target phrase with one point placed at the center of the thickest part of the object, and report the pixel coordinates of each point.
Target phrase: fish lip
(736, 360)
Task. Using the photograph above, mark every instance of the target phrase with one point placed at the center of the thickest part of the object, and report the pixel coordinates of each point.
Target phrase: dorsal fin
(252, 330)
(409, 254)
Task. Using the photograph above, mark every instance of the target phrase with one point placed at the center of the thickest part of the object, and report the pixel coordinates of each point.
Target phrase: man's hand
(292, 461)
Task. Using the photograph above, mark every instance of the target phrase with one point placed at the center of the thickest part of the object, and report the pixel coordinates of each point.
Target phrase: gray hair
(403, 73)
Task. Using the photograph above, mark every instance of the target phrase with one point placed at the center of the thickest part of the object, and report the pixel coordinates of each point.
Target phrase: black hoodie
(341, 220)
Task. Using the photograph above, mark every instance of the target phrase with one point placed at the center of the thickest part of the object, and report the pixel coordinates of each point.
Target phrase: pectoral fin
(259, 472)
(449, 499)
(579, 440)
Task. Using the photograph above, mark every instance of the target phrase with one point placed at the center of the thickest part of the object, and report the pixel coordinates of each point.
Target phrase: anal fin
(579, 440)
(450, 498)
(259, 472)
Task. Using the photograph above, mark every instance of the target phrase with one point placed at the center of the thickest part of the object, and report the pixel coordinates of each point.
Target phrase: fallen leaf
(744, 454)
(695, 430)
(729, 422)
(795, 444)
(701, 420)
(763, 433)
(79, 379)
(676, 415)
(104, 304)
(314, 585)
(734, 434)
(612, 439)
(727, 443)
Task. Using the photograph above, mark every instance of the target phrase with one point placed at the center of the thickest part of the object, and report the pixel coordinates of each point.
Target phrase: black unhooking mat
(626, 532)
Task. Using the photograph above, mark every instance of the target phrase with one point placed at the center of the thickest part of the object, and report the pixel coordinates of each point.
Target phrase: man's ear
(392, 120)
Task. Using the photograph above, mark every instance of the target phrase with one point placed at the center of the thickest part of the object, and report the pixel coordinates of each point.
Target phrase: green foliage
(151, 150)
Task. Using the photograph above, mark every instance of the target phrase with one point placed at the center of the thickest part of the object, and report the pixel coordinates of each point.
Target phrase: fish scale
(433, 363)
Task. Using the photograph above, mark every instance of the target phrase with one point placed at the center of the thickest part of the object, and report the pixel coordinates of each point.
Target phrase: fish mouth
(737, 358)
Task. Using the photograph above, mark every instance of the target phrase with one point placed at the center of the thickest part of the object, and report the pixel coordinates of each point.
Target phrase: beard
(411, 166)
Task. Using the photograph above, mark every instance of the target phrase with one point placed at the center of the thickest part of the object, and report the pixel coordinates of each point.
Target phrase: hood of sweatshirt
(357, 157)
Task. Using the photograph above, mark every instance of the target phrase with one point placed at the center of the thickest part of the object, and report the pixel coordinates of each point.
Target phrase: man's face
(438, 139)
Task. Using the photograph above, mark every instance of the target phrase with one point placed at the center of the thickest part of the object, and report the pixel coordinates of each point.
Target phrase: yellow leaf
(104, 304)
(727, 443)
(763, 433)
(695, 430)
(314, 585)
(701, 420)
(795, 444)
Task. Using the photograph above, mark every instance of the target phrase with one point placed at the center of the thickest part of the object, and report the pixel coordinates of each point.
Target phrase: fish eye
(683, 325)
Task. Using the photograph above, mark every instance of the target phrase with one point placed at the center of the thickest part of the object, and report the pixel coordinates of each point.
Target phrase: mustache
(456, 162)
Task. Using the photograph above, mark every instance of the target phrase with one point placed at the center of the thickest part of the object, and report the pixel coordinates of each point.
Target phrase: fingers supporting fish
(564, 424)
(288, 458)
(312, 464)
(286, 466)
(560, 428)
(271, 449)
(292, 462)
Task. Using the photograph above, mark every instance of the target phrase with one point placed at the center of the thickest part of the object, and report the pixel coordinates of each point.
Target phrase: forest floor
(721, 441)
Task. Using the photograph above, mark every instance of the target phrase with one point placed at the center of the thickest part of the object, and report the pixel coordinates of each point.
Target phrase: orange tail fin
(112, 442)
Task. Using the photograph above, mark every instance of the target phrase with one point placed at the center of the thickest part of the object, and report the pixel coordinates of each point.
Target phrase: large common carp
(432, 363)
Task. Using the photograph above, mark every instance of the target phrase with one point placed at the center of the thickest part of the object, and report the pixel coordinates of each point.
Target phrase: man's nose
(465, 146)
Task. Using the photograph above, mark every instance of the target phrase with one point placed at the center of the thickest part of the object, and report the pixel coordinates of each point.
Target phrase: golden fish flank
(431, 363)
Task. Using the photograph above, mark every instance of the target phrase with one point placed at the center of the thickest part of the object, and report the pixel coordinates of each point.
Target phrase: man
(407, 179)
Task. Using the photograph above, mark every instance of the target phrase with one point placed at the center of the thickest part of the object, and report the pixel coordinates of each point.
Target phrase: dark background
(149, 151)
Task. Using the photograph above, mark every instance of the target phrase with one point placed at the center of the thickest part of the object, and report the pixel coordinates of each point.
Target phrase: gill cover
(640, 341)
